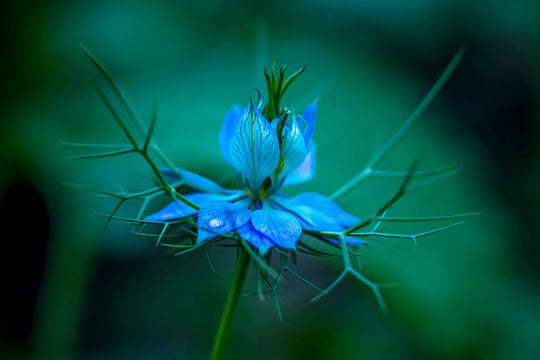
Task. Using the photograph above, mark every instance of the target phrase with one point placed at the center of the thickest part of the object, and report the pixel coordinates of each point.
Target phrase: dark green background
(74, 291)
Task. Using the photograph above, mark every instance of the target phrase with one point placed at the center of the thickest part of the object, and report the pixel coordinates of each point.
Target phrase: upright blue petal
(193, 180)
(309, 117)
(177, 209)
(304, 172)
(221, 217)
(280, 226)
(254, 237)
(293, 148)
(317, 212)
(254, 148)
(228, 130)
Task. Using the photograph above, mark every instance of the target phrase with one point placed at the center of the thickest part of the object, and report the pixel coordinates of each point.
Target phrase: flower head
(265, 156)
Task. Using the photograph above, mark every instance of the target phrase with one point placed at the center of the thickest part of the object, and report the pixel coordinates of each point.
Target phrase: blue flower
(265, 156)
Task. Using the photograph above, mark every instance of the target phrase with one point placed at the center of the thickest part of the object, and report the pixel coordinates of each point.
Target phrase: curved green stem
(400, 133)
(225, 323)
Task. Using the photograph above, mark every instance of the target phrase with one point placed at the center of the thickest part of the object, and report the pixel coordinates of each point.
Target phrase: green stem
(385, 150)
(230, 307)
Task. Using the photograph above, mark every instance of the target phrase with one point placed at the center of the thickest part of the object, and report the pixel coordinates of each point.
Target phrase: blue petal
(293, 148)
(309, 117)
(254, 149)
(193, 180)
(317, 212)
(221, 217)
(228, 130)
(254, 237)
(177, 209)
(351, 240)
(280, 226)
(304, 172)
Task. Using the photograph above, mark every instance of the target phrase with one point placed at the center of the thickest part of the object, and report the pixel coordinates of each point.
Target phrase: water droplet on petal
(214, 223)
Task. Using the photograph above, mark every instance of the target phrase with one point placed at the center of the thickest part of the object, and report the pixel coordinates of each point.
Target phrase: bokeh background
(71, 290)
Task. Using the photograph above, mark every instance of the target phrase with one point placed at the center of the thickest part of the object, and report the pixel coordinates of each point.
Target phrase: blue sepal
(317, 212)
(220, 217)
(351, 240)
(254, 149)
(309, 115)
(292, 148)
(280, 226)
(254, 237)
(177, 209)
(228, 130)
(193, 180)
(304, 172)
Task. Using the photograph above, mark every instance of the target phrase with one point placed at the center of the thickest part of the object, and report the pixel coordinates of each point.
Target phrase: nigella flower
(265, 156)
(269, 147)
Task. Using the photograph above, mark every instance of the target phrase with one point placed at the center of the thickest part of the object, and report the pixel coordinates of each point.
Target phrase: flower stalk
(224, 329)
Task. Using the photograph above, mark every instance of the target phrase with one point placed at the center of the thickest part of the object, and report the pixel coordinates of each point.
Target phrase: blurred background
(72, 290)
